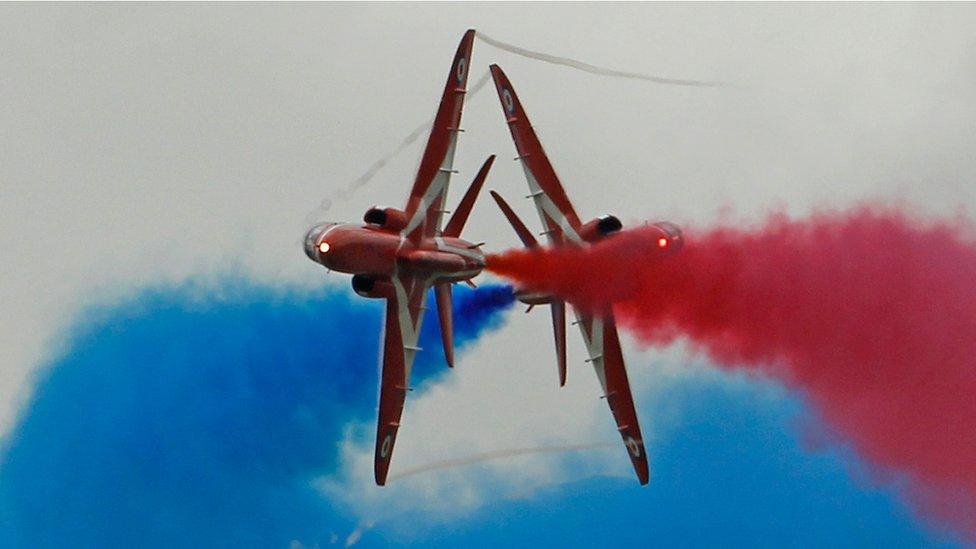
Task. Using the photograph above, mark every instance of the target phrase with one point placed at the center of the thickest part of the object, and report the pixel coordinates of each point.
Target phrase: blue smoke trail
(474, 312)
(733, 473)
(176, 420)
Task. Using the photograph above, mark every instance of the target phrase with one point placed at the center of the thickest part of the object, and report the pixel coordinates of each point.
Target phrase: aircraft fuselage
(372, 251)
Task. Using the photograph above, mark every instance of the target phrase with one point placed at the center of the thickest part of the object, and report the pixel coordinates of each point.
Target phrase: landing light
(662, 242)
(324, 247)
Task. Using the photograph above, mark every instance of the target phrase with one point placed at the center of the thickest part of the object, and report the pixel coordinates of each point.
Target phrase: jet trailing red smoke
(870, 313)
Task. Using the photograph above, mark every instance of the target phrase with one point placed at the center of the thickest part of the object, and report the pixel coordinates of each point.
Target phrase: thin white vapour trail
(354, 185)
(347, 191)
(495, 455)
(594, 69)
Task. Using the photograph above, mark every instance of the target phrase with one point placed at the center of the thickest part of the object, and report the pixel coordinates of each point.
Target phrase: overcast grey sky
(148, 143)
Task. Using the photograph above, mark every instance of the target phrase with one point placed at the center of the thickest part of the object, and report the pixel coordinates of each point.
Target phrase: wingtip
(466, 44)
(379, 475)
(643, 471)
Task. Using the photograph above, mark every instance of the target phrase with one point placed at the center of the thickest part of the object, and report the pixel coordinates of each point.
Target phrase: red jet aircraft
(563, 228)
(398, 254)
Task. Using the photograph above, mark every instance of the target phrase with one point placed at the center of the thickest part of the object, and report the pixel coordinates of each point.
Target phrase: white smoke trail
(494, 455)
(350, 188)
(594, 69)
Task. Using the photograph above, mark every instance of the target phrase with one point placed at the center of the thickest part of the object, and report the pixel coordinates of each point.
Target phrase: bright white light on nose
(324, 247)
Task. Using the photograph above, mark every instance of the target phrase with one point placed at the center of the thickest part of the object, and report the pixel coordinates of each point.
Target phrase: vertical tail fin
(442, 292)
(559, 331)
(463, 210)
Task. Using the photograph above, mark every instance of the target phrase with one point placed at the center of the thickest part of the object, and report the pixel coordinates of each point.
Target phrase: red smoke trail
(871, 313)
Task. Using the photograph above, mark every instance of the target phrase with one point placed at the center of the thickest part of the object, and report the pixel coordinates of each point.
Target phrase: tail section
(442, 291)
(557, 306)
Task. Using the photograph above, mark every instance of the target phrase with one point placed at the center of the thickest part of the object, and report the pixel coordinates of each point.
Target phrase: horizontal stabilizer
(460, 217)
(523, 232)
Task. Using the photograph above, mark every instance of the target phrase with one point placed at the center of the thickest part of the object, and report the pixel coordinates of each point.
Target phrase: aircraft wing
(603, 346)
(561, 223)
(425, 206)
(401, 328)
(562, 226)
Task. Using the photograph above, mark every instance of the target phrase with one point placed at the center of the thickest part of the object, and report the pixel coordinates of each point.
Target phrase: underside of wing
(401, 328)
(603, 346)
(425, 206)
(558, 216)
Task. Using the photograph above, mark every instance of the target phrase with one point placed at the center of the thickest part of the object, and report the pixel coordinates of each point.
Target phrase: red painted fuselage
(380, 253)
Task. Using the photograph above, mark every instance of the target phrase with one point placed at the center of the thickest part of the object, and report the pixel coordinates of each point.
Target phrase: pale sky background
(145, 144)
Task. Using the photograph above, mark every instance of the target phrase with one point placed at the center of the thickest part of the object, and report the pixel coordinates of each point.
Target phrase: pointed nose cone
(310, 237)
(673, 239)
(312, 241)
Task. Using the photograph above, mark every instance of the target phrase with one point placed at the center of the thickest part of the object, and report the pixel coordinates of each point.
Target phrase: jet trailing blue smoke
(181, 420)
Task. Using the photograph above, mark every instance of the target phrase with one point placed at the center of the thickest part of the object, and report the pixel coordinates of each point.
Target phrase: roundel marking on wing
(462, 68)
(632, 446)
(385, 447)
(508, 100)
